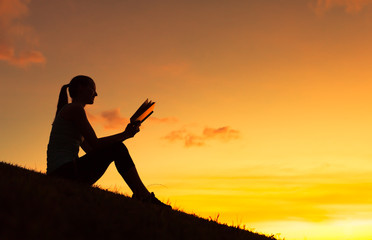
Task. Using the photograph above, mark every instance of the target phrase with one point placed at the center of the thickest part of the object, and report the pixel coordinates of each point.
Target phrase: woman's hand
(132, 129)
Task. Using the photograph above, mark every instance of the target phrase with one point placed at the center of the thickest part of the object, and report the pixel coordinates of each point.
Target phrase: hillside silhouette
(35, 206)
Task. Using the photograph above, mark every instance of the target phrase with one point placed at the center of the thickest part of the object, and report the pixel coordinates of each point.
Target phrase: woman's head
(81, 89)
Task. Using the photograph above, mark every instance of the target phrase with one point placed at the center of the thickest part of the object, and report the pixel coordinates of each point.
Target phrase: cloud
(163, 120)
(23, 59)
(223, 133)
(190, 139)
(112, 119)
(18, 41)
(350, 6)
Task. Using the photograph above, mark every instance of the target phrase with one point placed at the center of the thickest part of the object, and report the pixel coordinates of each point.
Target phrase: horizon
(262, 109)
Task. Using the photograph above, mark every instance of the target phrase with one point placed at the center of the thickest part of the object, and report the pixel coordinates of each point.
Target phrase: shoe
(152, 199)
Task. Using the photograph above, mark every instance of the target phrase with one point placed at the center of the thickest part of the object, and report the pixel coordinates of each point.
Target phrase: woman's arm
(78, 116)
(86, 147)
(129, 132)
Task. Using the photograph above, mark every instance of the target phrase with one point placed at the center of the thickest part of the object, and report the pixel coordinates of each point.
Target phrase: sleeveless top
(64, 142)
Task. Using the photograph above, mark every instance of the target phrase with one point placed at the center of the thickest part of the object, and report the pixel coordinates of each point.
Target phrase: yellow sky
(263, 109)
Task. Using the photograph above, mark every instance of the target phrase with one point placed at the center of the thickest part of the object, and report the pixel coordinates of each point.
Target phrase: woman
(71, 130)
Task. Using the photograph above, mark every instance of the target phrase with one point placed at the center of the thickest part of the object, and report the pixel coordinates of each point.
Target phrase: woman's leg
(135, 183)
(90, 167)
(93, 165)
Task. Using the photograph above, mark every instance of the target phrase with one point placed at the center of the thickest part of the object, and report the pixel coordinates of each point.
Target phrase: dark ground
(35, 206)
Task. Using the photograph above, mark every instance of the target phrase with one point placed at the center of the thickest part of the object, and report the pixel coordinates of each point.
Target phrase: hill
(36, 206)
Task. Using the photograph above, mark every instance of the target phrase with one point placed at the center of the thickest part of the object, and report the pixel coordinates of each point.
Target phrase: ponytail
(73, 88)
(63, 98)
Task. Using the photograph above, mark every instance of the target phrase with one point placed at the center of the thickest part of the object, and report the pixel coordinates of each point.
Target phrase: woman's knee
(119, 147)
(122, 159)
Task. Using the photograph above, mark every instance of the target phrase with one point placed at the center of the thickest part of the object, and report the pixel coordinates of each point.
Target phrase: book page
(144, 111)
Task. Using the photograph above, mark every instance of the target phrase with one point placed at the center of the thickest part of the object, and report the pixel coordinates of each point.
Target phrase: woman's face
(88, 92)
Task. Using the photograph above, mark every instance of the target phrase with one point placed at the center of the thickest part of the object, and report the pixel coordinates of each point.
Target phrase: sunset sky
(263, 108)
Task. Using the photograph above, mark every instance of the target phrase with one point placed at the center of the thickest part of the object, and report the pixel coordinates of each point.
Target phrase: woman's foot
(151, 199)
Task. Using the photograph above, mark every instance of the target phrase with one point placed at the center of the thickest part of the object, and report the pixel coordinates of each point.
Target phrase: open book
(143, 112)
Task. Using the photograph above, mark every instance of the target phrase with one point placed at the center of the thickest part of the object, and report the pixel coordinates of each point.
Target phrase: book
(143, 112)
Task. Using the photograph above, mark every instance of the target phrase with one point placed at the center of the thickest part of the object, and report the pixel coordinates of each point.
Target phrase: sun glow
(263, 114)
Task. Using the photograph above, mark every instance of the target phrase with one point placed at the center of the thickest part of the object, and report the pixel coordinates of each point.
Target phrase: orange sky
(263, 109)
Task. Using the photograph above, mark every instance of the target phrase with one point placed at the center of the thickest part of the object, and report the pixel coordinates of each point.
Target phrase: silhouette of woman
(71, 130)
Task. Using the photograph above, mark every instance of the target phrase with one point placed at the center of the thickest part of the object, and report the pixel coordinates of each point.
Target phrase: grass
(35, 206)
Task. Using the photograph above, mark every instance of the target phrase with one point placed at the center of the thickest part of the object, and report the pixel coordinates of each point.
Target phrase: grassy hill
(35, 206)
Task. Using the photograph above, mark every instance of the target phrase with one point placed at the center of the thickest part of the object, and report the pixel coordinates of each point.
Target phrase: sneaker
(152, 199)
